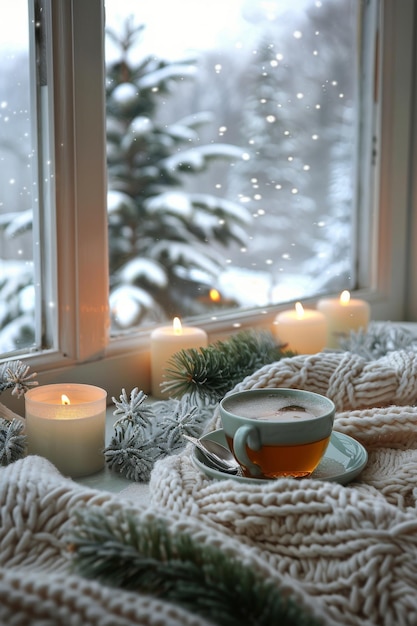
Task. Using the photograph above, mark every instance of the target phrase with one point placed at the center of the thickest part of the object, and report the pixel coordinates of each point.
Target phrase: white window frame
(86, 352)
(391, 288)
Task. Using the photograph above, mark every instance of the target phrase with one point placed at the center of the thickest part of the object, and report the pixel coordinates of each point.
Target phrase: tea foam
(277, 408)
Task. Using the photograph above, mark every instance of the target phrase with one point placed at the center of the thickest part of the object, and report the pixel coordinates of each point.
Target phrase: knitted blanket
(346, 553)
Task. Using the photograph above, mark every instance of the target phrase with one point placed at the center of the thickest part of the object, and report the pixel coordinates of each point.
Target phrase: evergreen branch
(145, 433)
(146, 557)
(177, 418)
(212, 371)
(132, 451)
(376, 342)
(133, 408)
(15, 375)
(12, 441)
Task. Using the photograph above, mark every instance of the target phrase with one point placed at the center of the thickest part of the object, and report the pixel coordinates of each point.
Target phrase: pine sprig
(212, 371)
(133, 408)
(16, 376)
(12, 441)
(132, 451)
(145, 433)
(144, 556)
(378, 341)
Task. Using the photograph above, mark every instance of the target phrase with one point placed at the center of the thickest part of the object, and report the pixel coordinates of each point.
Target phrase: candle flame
(345, 297)
(65, 399)
(214, 295)
(176, 324)
(299, 310)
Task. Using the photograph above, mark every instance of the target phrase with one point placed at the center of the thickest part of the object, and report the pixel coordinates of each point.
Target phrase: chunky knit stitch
(37, 587)
(347, 553)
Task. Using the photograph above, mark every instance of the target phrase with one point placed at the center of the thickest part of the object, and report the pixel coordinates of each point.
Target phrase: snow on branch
(174, 71)
(196, 158)
(186, 255)
(16, 376)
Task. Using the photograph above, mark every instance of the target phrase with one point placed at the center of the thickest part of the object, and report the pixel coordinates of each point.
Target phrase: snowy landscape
(231, 162)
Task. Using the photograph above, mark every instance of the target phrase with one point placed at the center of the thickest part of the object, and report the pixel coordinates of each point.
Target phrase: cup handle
(247, 436)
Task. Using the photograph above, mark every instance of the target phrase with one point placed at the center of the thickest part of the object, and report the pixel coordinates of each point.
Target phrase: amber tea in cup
(277, 432)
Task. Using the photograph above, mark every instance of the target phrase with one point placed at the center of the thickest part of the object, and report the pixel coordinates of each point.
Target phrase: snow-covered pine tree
(297, 125)
(162, 238)
(274, 178)
(330, 262)
(16, 201)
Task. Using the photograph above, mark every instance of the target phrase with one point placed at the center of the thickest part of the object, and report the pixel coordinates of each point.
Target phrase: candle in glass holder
(65, 423)
(165, 342)
(343, 315)
(301, 330)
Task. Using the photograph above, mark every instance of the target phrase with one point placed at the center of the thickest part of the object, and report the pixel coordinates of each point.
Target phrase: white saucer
(343, 460)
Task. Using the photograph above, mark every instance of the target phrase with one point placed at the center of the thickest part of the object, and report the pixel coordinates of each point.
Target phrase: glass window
(196, 246)
(18, 181)
(232, 134)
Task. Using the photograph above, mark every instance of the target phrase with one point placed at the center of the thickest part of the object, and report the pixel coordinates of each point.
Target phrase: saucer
(343, 460)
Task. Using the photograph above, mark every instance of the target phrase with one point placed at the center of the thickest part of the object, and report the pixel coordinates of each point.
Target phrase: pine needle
(12, 441)
(144, 433)
(144, 556)
(212, 371)
(378, 341)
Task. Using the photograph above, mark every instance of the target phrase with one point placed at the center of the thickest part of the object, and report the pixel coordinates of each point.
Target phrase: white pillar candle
(165, 342)
(343, 315)
(65, 423)
(301, 330)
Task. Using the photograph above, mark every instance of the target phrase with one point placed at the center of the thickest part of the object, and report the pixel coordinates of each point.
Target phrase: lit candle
(165, 342)
(302, 330)
(343, 315)
(65, 423)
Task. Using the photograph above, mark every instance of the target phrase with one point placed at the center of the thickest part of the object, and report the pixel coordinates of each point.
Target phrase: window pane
(231, 154)
(17, 175)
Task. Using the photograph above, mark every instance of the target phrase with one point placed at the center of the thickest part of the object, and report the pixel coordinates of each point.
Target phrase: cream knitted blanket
(348, 553)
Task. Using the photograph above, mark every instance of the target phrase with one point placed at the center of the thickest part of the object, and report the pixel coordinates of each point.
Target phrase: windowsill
(126, 362)
(107, 480)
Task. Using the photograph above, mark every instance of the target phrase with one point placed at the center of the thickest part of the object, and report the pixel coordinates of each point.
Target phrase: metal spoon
(218, 456)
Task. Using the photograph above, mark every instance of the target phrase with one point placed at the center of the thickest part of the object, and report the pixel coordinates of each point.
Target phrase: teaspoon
(219, 456)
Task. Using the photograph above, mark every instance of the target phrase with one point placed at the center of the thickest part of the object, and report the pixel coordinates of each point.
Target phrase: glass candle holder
(65, 423)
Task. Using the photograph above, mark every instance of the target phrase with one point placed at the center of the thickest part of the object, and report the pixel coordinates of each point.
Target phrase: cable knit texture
(347, 553)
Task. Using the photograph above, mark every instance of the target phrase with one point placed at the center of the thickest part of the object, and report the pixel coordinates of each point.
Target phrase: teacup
(277, 432)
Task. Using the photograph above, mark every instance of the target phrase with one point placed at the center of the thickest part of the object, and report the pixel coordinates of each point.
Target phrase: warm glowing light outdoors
(214, 295)
(65, 399)
(177, 326)
(299, 310)
(344, 297)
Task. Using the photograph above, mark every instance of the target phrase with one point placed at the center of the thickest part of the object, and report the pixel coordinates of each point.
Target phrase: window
(18, 189)
(81, 347)
(232, 154)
